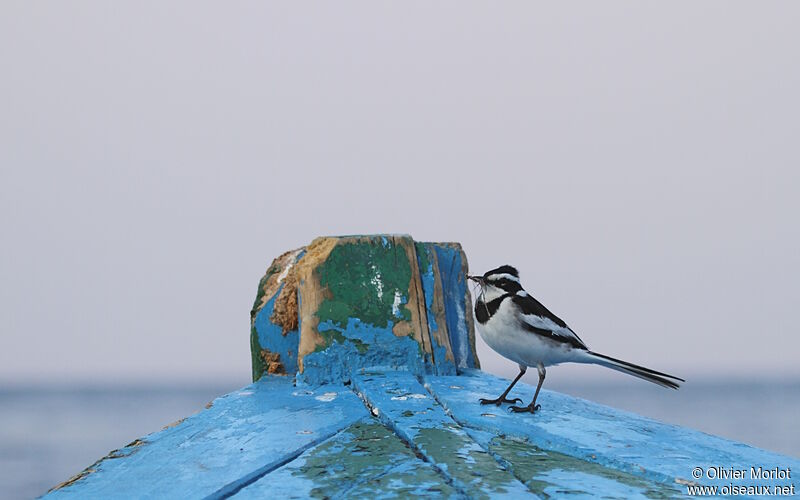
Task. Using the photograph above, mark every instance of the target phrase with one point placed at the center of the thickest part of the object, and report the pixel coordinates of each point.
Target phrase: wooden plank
(440, 441)
(548, 473)
(240, 437)
(404, 404)
(398, 399)
(588, 431)
(365, 460)
(452, 264)
(431, 281)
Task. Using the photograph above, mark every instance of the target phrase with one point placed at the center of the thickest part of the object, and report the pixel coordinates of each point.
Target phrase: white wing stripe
(548, 324)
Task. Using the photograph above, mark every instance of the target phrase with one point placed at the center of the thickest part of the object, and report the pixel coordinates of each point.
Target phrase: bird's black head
(506, 269)
(504, 277)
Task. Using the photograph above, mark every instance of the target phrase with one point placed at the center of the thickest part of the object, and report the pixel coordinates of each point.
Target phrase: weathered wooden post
(366, 383)
(343, 305)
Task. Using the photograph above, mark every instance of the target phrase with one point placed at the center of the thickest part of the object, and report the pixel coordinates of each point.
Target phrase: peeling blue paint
(266, 335)
(454, 288)
(272, 436)
(382, 349)
(548, 473)
(442, 365)
(242, 436)
(589, 431)
(366, 460)
(405, 406)
(271, 336)
(428, 279)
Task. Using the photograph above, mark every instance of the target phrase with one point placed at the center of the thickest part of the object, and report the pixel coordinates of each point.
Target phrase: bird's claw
(524, 409)
(499, 401)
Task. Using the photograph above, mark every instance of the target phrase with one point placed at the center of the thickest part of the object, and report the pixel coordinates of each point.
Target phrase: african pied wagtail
(520, 328)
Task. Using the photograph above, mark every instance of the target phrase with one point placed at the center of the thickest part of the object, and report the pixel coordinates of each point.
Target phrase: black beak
(476, 279)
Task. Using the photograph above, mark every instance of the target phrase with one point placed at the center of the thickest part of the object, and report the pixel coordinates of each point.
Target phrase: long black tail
(662, 379)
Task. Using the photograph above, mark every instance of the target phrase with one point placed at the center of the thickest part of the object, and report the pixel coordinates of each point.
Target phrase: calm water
(46, 436)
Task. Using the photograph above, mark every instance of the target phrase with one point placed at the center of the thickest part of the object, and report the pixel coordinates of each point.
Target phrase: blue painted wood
(272, 338)
(339, 361)
(274, 346)
(487, 464)
(380, 300)
(242, 436)
(375, 409)
(551, 474)
(404, 405)
(613, 438)
(458, 305)
(365, 460)
(431, 280)
(405, 438)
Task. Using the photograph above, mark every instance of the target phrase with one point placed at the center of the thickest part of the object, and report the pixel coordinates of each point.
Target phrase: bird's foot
(499, 401)
(524, 409)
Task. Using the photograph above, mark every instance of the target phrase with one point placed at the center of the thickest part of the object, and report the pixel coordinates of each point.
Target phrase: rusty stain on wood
(272, 360)
(274, 279)
(285, 311)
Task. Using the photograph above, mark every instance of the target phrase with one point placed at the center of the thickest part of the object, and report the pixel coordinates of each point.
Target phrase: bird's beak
(476, 279)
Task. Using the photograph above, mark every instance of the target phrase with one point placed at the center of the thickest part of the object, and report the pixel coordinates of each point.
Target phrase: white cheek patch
(491, 292)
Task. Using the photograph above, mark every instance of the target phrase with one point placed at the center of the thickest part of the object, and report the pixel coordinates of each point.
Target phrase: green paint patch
(259, 367)
(330, 337)
(422, 257)
(367, 460)
(333, 335)
(466, 462)
(541, 470)
(368, 281)
(360, 346)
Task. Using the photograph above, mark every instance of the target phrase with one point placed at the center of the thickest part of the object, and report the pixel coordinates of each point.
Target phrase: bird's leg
(533, 406)
(502, 398)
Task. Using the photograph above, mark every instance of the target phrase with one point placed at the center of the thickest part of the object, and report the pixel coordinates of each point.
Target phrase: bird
(521, 329)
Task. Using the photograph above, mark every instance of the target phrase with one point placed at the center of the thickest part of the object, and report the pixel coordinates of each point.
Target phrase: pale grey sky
(638, 162)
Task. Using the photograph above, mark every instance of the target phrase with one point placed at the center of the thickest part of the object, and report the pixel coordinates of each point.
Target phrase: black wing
(538, 319)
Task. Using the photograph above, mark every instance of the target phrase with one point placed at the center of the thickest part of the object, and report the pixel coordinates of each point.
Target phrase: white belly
(504, 334)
